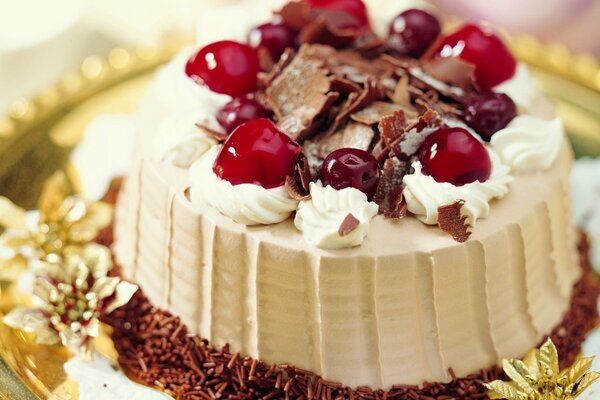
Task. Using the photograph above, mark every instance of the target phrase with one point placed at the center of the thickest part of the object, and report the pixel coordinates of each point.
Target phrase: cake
(377, 210)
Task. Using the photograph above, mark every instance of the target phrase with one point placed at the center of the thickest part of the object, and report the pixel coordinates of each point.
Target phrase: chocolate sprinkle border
(156, 348)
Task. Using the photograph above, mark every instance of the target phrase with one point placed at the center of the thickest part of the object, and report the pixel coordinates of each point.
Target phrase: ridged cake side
(402, 308)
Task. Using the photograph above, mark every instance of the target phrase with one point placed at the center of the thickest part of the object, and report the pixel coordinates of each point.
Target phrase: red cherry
(489, 112)
(257, 153)
(453, 155)
(356, 10)
(412, 32)
(274, 37)
(349, 167)
(239, 110)
(481, 47)
(225, 67)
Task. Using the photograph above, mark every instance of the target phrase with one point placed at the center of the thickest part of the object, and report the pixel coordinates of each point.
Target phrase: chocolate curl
(389, 194)
(451, 221)
(298, 184)
(300, 95)
(371, 92)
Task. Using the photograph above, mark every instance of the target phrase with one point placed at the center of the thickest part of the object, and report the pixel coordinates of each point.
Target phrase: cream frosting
(529, 143)
(521, 88)
(320, 218)
(246, 204)
(180, 142)
(424, 195)
(234, 21)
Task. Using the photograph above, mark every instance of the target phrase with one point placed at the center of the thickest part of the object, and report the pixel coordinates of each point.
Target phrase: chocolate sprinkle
(451, 221)
(349, 224)
(155, 348)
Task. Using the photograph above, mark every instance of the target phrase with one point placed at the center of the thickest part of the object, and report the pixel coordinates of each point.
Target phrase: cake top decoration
(363, 109)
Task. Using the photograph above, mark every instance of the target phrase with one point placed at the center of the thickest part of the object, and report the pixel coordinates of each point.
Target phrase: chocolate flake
(354, 135)
(299, 94)
(389, 191)
(451, 221)
(349, 224)
(451, 70)
(408, 142)
(371, 92)
(375, 112)
(218, 136)
(298, 184)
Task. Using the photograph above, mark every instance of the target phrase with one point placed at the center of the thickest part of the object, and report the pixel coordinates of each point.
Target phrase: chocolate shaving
(370, 45)
(300, 94)
(393, 127)
(389, 195)
(354, 135)
(296, 14)
(401, 93)
(266, 79)
(298, 184)
(321, 30)
(451, 70)
(218, 136)
(349, 224)
(375, 112)
(265, 59)
(452, 222)
(408, 143)
(355, 102)
(344, 86)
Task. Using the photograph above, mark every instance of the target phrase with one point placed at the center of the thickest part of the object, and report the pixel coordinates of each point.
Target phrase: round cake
(348, 190)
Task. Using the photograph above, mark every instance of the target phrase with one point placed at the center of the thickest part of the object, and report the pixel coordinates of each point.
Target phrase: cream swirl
(424, 195)
(321, 217)
(180, 142)
(529, 143)
(521, 88)
(246, 204)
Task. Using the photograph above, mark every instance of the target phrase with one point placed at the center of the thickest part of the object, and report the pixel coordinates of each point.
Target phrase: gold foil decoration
(72, 285)
(537, 377)
(60, 223)
(74, 293)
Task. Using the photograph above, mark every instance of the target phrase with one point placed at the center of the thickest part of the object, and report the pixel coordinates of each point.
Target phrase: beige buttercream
(402, 308)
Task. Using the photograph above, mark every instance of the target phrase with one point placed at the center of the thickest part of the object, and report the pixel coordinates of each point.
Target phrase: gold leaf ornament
(60, 223)
(75, 292)
(537, 377)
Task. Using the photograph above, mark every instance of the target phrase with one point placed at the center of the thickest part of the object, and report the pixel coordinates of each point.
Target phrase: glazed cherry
(349, 167)
(356, 10)
(225, 67)
(274, 37)
(239, 110)
(489, 112)
(481, 47)
(257, 153)
(453, 155)
(413, 32)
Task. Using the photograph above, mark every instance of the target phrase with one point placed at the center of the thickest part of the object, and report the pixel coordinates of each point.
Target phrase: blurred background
(40, 40)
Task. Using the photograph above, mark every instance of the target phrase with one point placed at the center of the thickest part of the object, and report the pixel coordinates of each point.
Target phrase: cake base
(155, 348)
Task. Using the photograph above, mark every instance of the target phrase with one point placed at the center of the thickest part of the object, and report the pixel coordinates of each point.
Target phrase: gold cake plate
(37, 137)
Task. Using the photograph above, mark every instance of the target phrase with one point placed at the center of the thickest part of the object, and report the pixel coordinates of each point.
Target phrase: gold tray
(37, 137)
